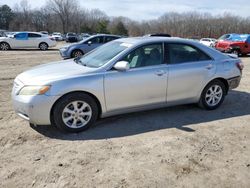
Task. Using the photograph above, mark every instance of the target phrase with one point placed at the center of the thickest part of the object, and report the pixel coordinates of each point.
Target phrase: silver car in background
(122, 76)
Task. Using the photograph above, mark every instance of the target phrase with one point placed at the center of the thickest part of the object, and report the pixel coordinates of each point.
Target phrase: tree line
(67, 16)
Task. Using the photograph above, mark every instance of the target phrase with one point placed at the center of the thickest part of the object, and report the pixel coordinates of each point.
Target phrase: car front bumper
(35, 109)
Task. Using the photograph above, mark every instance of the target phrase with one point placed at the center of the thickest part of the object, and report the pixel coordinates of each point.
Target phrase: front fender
(91, 84)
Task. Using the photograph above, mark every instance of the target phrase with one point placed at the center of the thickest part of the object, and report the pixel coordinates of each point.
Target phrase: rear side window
(182, 53)
(96, 40)
(108, 39)
(33, 35)
(21, 36)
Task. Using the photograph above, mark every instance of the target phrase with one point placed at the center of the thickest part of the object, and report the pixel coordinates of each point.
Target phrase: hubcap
(214, 95)
(4, 46)
(78, 54)
(43, 46)
(77, 114)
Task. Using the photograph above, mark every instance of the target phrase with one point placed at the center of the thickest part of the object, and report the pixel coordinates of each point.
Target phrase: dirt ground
(180, 146)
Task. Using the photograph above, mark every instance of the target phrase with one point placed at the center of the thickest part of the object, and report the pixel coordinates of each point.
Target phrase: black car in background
(71, 37)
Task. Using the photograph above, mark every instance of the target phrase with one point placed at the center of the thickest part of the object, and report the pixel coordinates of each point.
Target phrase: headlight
(34, 90)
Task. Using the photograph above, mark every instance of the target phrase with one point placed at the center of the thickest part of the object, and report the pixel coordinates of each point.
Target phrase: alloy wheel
(214, 95)
(76, 114)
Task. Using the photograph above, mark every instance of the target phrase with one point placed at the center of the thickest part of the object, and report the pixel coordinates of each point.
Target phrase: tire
(75, 112)
(77, 53)
(4, 46)
(236, 52)
(43, 46)
(213, 95)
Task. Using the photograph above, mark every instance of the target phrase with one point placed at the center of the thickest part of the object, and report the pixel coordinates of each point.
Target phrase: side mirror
(122, 66)
(89, 43)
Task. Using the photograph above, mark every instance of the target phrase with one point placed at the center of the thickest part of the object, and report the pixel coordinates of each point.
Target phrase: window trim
(166, 44)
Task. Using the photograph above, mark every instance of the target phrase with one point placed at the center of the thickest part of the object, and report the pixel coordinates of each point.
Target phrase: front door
(143, 84)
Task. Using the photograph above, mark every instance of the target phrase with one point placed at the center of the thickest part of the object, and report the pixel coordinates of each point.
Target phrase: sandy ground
(180, 146)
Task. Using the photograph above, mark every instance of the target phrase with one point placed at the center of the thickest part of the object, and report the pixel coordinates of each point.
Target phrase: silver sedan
(122, 76)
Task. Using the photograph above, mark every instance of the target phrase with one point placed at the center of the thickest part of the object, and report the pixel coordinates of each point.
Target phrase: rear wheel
(43, 46)
(77, 53)
(213, 95)
(75, 112)
(4, 46)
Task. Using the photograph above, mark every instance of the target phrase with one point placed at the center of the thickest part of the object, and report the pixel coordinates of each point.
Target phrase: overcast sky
(150, 9)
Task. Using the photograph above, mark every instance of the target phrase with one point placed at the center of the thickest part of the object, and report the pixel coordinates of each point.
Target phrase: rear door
(33, 40)
(189, 70)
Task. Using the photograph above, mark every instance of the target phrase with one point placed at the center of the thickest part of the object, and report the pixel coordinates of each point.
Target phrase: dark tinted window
(96, 40)
(33, 35)
(182, 53)
(145, 56)
(110, 38)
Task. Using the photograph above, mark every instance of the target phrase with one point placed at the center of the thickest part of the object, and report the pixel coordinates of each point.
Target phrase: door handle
(210, 66)
(160, 72)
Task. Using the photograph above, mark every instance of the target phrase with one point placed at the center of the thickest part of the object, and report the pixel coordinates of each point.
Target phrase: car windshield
(103, 54)
(235, 37)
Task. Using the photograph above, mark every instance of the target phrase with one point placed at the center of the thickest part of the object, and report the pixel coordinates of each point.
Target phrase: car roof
(142, 40)
(109, 35)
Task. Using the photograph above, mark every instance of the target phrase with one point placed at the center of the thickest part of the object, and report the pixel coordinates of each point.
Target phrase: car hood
(44, 74)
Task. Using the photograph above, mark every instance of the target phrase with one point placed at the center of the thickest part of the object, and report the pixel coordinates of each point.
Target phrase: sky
(151, 9)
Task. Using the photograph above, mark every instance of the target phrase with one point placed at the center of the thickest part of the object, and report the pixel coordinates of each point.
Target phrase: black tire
(43, 46)
(63, 103)
(203, 103)
(77, 53)
(4, 46)
(236, 52)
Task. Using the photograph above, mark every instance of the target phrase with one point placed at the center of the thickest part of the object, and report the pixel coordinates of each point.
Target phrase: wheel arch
(223, 80)
(6, 43)
(72, 92)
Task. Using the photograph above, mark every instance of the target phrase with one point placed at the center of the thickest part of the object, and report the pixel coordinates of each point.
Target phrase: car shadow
(236, 104)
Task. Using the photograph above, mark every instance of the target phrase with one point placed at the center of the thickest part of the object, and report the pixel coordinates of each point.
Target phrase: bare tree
(65, 9)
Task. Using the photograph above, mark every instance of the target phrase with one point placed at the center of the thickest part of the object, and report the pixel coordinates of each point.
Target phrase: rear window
(183, 53)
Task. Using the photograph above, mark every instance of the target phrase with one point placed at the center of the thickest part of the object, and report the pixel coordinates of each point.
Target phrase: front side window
(182, 53)
(21, 36)
(147, 55)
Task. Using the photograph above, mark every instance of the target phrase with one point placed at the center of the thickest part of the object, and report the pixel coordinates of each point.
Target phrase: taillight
(240, 65)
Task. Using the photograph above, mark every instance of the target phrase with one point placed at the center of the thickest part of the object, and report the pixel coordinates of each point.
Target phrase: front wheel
(4, 46)
(213, 95)
(77, 53)
(75, 112)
